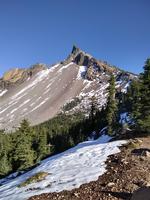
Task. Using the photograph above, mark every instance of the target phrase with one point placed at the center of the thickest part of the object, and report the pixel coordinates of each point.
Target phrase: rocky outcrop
(95, 68)
(13, 75)
(17, 76)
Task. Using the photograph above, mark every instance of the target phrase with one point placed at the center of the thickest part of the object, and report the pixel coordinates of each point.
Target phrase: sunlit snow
(68, 170)
(64, 67)
(2, 92)
(81, 72)
(125, 118)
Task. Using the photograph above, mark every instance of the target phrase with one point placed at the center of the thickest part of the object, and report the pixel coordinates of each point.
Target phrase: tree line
(28, 145)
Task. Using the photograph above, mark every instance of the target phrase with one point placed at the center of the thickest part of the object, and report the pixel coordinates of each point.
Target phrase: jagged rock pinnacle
(75, 50)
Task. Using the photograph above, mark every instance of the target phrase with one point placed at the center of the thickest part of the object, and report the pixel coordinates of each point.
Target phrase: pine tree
(100, 119)
(5, 166)
(93, 110)
(23, 153)
(111, 109)
(43, 149)
(134, 99)
(144, 118)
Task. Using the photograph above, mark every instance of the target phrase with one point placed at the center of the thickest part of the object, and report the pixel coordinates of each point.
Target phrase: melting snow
(15, 109)
(124, 118)
(124, 90)
(46, 91)
(39, 77)
(3, 92)
(81, 72)
(65, 66)
(67, 170)
(54, 67)
(45, 100)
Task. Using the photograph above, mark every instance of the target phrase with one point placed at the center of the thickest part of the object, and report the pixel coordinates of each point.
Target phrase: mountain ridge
(77, 55)
(39, 93)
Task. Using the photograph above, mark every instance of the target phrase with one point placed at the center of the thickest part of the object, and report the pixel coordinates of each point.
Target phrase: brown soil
(126, 172)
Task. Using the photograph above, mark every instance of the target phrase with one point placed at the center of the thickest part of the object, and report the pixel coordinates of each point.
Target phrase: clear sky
(44, 31)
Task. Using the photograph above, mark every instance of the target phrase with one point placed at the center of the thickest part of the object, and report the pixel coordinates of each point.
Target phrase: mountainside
(54, 160)
(40, 92)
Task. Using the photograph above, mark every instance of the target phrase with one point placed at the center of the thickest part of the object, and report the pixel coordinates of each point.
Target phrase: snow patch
(124, 90)
(40, 104)
(53, 67)
(3, 92)
(124, 118)
(15, 109)
(64, 67)
(70, 169)
(82, 71)
(39, 77)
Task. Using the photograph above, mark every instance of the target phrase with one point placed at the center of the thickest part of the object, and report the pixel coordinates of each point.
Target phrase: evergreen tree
(43, 149)
(111, 109)
(100, 119)
(133, 99)
(144, 118)
(5, 166)
(138, 100)
(93, 110)
(23, 152)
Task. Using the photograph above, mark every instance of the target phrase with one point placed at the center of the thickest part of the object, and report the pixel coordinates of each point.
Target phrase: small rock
(146, 154)
(142, 158)
(138, 141)
(110, 184)
(76, 194)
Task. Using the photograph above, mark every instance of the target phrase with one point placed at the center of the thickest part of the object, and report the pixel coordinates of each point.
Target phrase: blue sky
(44, 31)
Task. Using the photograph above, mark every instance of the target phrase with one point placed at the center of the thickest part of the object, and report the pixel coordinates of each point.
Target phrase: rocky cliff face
(17, 76)
(95, 68)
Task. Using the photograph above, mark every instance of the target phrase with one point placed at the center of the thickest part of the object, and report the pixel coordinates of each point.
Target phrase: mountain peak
(75, 49)
(78, 56)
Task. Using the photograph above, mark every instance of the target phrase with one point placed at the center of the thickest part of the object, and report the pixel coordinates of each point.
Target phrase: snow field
(81, 164)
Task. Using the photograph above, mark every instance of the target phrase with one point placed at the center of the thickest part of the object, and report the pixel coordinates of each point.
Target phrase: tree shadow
(140, 151)
(122, 195)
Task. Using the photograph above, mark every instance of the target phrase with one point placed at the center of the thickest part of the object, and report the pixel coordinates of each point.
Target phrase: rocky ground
(126, 172)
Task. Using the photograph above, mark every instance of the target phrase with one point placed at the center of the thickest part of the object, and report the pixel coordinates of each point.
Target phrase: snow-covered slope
(68, 170)
(40, 97)
(39, 93)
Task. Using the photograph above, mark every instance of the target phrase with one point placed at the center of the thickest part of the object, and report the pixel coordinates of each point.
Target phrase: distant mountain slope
(39, 93)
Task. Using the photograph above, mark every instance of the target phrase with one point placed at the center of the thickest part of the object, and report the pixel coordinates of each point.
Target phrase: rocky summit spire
(78, 56)
(75, 50)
